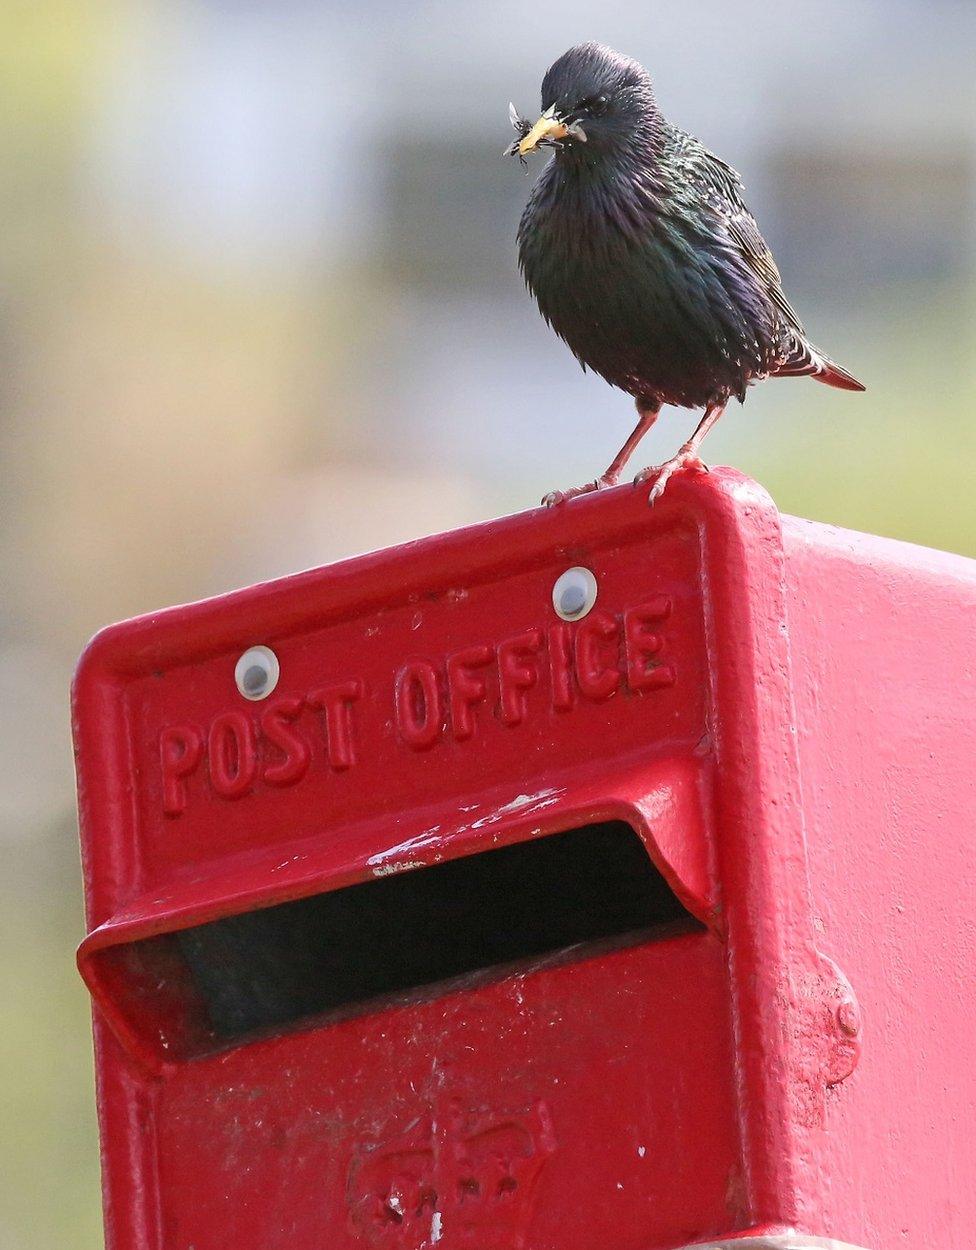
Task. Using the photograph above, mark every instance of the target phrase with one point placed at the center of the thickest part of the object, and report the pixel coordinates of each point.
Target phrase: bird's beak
(549, 126)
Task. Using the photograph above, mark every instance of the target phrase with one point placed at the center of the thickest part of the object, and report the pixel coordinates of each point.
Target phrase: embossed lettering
(518, 672)
(232, 755)
(276, 723)
(597, 679)
(561, 665)
(180, 752)
(336, 702)
(272, 745)
(643, 643)
(418, 704)
(467, 686)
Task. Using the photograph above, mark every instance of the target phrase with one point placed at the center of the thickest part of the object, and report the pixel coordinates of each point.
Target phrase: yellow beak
(547, 127)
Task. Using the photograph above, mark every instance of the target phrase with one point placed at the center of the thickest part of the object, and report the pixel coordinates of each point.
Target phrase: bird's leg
(685, 457)
(648, 412)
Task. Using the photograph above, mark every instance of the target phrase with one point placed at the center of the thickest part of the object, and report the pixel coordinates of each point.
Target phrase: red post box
(523, 889)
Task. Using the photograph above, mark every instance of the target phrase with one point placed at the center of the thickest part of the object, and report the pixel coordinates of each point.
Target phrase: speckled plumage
(642, 255)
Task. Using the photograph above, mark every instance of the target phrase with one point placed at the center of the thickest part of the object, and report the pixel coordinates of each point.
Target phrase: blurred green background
(259, 309)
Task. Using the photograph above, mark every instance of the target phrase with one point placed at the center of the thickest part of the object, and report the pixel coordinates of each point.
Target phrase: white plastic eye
(574, 593)
(257, 673)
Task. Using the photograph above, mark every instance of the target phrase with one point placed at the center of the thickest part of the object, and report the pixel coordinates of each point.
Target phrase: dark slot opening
(284, 963)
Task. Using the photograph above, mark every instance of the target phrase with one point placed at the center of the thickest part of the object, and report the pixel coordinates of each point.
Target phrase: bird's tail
(806, 361)
(835, 375)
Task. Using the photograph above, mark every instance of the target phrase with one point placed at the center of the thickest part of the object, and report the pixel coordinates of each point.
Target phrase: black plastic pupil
(255, 679)
(573, 600)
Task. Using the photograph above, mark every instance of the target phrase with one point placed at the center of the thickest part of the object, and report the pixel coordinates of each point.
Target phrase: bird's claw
(685, 459)
(560, 496)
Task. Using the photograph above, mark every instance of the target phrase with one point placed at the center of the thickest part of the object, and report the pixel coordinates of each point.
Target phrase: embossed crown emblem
(464, 1179)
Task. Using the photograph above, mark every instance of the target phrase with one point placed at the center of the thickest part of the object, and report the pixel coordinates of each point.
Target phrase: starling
(642, 255)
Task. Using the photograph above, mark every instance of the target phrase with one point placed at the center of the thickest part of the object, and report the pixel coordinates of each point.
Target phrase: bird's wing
(717, 184)
(713, 182)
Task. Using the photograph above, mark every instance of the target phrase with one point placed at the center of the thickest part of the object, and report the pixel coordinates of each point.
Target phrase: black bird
(644, 258)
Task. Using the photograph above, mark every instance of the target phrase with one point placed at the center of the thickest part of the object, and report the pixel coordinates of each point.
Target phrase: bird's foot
(560, 496)
(685, 458)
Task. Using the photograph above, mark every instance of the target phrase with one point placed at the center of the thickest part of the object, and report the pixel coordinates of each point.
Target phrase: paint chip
(385, 870)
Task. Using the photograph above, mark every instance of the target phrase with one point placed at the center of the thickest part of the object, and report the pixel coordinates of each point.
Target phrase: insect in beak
(549, 126)
(547, 132)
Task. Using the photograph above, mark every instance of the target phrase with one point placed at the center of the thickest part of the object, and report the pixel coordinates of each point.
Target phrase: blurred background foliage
(259, 309)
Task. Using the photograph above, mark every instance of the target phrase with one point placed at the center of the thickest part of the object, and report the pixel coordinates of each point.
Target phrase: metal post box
(523, 889)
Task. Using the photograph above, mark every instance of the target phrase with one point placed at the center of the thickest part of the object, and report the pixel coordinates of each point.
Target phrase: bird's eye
(595, 104)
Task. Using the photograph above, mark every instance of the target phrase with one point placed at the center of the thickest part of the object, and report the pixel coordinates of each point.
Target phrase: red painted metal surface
(750, 695)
